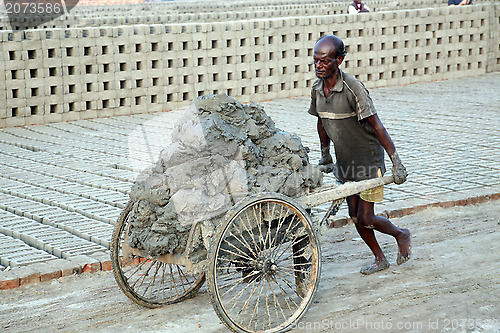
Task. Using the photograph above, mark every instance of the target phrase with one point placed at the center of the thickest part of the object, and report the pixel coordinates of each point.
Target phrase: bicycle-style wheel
(144, 279)
(264, 265)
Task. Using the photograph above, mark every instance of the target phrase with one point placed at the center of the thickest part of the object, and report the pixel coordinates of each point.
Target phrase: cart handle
(343, 191)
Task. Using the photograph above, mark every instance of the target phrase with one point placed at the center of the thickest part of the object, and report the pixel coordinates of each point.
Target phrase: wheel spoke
(256, 307)
(245, 255)
(239, 294)
(295, 241)
(268, 235)
(144, 275)
(289, 284)
(181, 274)
(236, 254)
(277, 306)
(254, 288)
(235, 283)
(162, 283)
(281, 219)
(151, 284)
(232, 261)
(258, 218)
(291, 265)
(257, 248)
(283, 269)
(258, 294)
(146, 280)
(285, 295)
(172, 279)
(137, 270)
(284, 238)
(267, 307)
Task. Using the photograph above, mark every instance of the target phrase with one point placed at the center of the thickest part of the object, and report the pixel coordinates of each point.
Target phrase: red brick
(92, 268)
(472, 201)
(31, 278)
(106, 265)
(447, 204)
(68, 271)
(50, 275)
(9, 284)
(339, 223)
(397, 213)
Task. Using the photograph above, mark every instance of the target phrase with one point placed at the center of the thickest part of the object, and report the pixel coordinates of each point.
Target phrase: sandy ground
(452, 283)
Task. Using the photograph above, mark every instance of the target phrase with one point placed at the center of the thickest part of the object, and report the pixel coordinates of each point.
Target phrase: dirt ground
(452, 283)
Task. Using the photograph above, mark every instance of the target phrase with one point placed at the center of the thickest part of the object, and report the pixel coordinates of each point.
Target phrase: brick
(92, 267)
(16, 121)
(9, 284)
(8, 280)
(27, 275)
(100, 256)
(179, 41)
(47, 271)
(88, 264)
(67, 267)
(106, 265)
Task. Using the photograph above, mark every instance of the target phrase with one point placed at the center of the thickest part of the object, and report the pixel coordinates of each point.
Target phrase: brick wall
(172, 12)
(77, 73)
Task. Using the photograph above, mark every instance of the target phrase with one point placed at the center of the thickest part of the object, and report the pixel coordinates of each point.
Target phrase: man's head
(329, 52)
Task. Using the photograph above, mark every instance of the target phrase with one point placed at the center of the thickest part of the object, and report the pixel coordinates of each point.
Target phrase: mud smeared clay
(221, 152)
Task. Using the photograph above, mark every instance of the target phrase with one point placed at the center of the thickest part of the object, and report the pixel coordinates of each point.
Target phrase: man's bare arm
(382, 134)
(398, 169)
(323, 137)
(326, 157)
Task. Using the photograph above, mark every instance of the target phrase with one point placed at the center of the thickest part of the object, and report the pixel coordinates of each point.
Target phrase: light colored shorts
(375, 194)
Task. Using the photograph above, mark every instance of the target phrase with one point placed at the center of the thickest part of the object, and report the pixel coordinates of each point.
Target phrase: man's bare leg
(368, 236)
(367, 218)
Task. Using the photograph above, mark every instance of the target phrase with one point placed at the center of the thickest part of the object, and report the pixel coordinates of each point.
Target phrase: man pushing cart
(347, 117)
(229, 200)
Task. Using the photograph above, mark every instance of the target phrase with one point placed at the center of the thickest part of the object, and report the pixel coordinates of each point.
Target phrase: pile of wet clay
(221, 152)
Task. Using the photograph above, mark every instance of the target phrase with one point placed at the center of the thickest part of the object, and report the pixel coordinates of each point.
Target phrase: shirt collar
(339, 86)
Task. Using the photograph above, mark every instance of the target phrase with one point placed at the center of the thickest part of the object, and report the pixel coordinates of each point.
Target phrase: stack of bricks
(78, 73)
(163, 13)
(108, 2)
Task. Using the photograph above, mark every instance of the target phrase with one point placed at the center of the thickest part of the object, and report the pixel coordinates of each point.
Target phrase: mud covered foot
(375, 267)
(404, 244)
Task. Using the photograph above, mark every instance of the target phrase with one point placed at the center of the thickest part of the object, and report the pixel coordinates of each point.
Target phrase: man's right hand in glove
(326, 158)
(398, 169)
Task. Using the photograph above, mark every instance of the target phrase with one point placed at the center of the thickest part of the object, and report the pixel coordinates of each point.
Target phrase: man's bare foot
(404, 244)
(377, 266)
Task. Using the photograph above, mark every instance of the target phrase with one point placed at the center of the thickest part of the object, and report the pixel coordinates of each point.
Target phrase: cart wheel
(145, 280)
(264, 265)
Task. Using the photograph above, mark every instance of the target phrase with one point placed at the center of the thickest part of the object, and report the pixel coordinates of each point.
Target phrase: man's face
(325, 62)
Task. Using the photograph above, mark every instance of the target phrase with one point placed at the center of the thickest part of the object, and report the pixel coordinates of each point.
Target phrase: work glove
(398, 169)
(326, 158)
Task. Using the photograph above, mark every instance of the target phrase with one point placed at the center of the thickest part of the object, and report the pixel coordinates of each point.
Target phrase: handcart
(262, 262)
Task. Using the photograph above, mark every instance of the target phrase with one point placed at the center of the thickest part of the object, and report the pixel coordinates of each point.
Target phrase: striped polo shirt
(343, 114)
